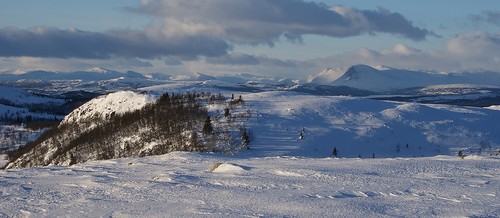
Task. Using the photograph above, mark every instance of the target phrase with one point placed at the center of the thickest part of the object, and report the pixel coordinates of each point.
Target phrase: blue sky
(270, 37)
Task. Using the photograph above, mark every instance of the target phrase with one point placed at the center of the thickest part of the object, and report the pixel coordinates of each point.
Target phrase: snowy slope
(327, 76)
(15, 104)
(363, 127)
(114, 103)
(180, 185)
(357, 127)
(21, 97)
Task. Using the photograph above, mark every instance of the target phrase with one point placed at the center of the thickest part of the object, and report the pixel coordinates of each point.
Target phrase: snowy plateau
(396, 147)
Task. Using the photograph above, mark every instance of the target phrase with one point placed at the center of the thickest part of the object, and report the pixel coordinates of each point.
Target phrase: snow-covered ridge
(104, 106)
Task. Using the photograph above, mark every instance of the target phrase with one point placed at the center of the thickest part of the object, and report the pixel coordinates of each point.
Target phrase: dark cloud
(264, 21)
(383, 20)
(72, 43)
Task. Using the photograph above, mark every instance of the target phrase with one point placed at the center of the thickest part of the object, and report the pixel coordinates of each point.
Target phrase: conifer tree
(207, 127)
(245, 139)
(334, 152)
(461, 154)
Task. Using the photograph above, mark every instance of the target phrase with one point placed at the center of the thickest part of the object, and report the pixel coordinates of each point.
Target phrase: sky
(285, 38)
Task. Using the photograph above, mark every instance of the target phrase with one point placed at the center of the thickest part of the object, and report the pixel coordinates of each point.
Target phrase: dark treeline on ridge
(172, 123)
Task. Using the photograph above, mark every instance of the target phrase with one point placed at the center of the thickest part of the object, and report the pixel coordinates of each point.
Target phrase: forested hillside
(174, 122)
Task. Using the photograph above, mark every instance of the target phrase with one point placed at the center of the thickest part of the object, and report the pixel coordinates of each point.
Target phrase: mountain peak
(202, 77)
(357, 72)
(97, 70)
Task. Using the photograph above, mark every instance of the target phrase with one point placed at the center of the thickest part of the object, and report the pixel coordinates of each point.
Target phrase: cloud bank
(470, 51)
(72, 43)
(190, 29)
(265, 21)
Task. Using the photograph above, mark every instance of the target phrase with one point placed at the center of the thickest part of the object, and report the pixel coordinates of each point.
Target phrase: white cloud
(469, 51)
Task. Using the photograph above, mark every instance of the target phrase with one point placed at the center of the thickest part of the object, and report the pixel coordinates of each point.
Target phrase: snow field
(360, 127)
(20, 97)
(180, 185)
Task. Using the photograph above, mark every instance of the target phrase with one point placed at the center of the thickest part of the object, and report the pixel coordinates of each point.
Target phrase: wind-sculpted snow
(180, 185)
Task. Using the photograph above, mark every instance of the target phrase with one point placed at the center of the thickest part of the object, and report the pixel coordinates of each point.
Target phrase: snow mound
(228, 168)
(106, 106)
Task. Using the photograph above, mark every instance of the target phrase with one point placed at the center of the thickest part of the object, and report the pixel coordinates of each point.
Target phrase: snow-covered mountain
(327, 76)
(387, 79)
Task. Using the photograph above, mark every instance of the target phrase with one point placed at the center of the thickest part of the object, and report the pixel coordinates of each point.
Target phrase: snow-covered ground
(288, 171)
(19, 97)
(14, 136)
(180, 185)
(3, 161)
(365, 127)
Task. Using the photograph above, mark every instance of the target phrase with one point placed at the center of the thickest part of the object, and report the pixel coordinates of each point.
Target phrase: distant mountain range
(93, 74)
